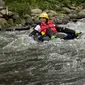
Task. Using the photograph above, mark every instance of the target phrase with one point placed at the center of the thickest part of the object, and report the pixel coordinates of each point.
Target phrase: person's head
(43, 17)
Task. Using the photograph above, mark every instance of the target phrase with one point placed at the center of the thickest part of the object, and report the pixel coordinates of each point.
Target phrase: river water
(23, 61)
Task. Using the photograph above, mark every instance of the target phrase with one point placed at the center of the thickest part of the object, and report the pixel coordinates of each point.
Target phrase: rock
(51, 13)
(15, 16)
(1, 7)
(2, 21)
(0, 26)
(63, 19)
(3, 12)
(82, 20)
(82, 13)
(2, 3)
(58, 8)
(27, 16)
(36, 21)
(1, 15)
(10, 13)
(66, 10)
(53, 19)
(10, 21)
(36, 11)
(27, 20)
(59, 21)
(73, 16)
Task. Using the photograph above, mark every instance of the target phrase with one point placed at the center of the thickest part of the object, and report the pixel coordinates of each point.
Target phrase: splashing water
(23, 61)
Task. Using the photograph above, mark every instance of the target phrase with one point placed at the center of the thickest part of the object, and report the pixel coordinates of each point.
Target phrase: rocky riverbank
(62, 15)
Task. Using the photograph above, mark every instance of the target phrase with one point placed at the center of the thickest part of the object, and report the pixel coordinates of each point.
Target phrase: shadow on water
(24, 62)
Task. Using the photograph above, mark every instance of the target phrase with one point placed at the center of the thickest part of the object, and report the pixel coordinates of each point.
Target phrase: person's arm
(65, 29)
(36, 30)
(59, 28)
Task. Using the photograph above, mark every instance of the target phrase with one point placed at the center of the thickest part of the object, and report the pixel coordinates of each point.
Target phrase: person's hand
(43, 33)
(52, 37)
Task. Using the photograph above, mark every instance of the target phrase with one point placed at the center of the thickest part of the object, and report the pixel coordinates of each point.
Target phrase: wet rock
(82, 20)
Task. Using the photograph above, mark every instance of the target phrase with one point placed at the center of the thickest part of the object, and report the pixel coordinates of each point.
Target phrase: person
(46, 30)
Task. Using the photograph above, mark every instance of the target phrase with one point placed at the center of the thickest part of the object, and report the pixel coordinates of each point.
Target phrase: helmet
(43, 15)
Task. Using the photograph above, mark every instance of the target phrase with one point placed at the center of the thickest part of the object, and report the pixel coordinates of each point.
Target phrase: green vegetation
(24, 6)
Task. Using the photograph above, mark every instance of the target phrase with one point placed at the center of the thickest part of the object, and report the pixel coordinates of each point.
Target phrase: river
(23, 61)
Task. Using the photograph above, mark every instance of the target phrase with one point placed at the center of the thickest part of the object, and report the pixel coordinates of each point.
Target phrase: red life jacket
(50, 25)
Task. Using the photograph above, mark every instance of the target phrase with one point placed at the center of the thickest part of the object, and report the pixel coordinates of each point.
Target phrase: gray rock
(66, 10)
(10, 13)
(36, 11)
(1, 15)
(58, 8)
(27, 20)
(2, 3)
(81, 13)
(63, 20)
(2, 21)
(15, 16)
(73, 16)
(3, 11)
(36, 21)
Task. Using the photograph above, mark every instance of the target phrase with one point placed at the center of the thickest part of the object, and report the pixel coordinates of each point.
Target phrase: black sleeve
(33, 32)
(58, 28)
(65, 30)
